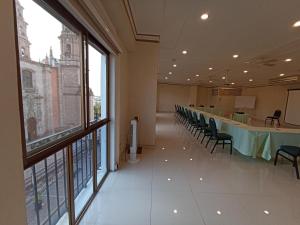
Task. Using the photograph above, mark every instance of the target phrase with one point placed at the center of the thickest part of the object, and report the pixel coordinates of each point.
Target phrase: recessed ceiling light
(184, 148)
(166, 78)
(188, 79)
(175, 211)
(197, 75)
(223, 78)
(166, 160)
(232, 83)
(163, 148)
(281, 75)
(191, 159)
(288, 60)
(296, 24)
(169, 179)
(201, 179)
(250, 80)
(210, 68)
(174, 65)
(170, 73)
(266, 212)
(184, 52)
(235, 56)
(210, 81)
(245, 71)
(219, 212)
(204, 16)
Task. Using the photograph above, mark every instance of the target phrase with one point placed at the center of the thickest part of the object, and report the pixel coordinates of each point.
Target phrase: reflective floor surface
(178, 182)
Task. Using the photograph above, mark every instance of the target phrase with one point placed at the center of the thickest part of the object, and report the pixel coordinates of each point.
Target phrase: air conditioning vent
(265, 61)
(288, 79)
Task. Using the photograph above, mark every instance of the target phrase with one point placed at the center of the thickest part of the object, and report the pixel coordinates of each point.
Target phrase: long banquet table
(254, 141)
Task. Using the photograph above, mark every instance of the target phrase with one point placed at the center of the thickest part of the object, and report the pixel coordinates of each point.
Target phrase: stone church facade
(51, 88)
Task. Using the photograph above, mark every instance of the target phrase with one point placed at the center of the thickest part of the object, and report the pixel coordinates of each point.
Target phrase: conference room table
(252, 140)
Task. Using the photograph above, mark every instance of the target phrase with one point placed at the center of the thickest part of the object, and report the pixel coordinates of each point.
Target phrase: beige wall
(170, 94)
(268, 99)
(12, 202)
(203, 96)
(124, 101)
(225, 103)
(143, 68)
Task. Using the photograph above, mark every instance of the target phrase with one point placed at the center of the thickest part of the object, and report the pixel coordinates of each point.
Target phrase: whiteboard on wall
(292, 111)
(245, 102)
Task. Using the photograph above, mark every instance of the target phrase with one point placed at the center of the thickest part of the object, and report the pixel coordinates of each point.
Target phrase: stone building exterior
(51, 88)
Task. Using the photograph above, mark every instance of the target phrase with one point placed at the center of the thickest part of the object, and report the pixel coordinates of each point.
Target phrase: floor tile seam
(197, 204)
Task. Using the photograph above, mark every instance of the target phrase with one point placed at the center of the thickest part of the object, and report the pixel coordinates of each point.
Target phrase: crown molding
(139, 36)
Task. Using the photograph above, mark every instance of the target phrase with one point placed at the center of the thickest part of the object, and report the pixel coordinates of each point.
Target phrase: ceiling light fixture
(219, 212)
(296, 24)
(210, 68)
(288, 60)
(188, 79)
(235, 56)
(163, 148)
(197, 75)
(281, 75)
(266, 212)
(232, 83)
(175, 211)
(204, 16)
(170, 73)
(245, 71)
(210, 81)
(223, 78)
(166, 160)
(201, 179)
(169, 179)
(174, 65)
(250, 80)
(184, 52)
(166, 78)
(191, 159)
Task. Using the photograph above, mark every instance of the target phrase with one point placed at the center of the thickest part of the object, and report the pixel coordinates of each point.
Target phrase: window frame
(93, 42)
(58, 11)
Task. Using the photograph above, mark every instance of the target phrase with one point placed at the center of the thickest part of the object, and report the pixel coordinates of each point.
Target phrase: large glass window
(50, 61)
(97, 84)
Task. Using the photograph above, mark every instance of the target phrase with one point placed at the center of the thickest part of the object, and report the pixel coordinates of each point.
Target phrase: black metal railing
(46, 182)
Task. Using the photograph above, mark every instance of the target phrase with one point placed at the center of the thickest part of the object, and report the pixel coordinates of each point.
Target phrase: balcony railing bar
(81, 163)
(47, 191)
(35, 195)
(65, 182)
(57, 191)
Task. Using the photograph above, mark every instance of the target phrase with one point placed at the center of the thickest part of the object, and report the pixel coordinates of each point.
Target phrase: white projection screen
(245, 102)
(292, 112)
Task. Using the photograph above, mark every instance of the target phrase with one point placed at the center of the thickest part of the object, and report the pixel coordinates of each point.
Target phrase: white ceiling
(257, 30)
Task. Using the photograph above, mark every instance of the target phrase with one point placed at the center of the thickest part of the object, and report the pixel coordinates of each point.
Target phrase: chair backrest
(202, 120)
(195, 117)
(277, 113)
(190, 115)
(213, 127)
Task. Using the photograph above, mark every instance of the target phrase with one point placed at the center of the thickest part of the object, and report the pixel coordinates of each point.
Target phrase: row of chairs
(198, 125)
(195, 124)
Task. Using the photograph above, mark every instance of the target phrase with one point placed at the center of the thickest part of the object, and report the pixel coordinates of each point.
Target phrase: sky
(43, 31)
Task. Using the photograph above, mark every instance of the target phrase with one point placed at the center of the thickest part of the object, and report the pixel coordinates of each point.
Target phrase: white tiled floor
(216, 189)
